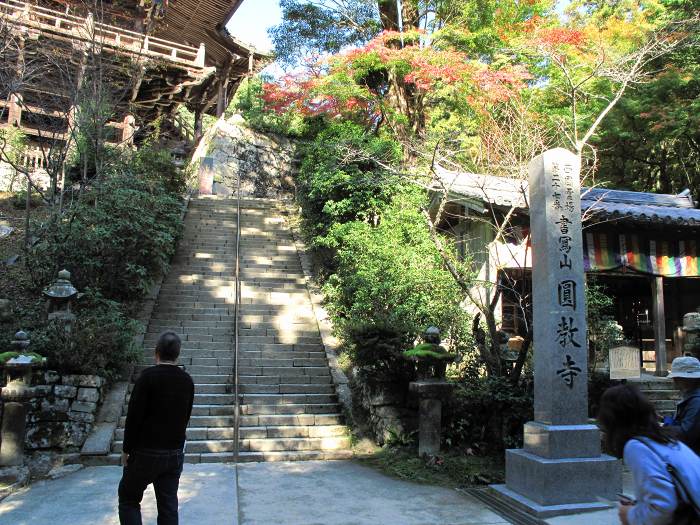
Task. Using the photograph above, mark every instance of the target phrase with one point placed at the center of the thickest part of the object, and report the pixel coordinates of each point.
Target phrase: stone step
(154, 330)
(202, 410)
(210, 399)
(290, 409)
(283, 371)
(221, 432)
(188, 360)
(269, 339)
(282, 363)
(275, 380)
(199, 369)
(196, 447)
(288, 388)
(281, 420)
(210, 388)
(302, 455)
(293, 444)
(284, 399)
(660, 384)
(300, 431)
(663, 395)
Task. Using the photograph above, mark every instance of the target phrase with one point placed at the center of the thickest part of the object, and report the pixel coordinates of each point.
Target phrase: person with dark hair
(666, 472)
(154, 435)
(685, 372)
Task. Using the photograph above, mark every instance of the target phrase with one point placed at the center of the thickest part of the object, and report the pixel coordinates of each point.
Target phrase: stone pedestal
(560, 469)
(431, 395)
(14, 423)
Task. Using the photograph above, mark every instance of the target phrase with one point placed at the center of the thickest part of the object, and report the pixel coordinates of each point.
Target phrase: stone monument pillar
(560, 469)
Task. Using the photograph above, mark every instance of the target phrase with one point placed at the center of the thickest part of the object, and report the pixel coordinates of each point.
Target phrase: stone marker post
(560, 469)
(206, 176)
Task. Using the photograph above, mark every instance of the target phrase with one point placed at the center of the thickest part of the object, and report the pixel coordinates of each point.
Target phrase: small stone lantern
(431, 388)
(16, 392)
(61, 295)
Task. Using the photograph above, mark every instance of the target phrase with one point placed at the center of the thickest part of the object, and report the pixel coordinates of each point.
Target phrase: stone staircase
(661, 392)
(288, 406)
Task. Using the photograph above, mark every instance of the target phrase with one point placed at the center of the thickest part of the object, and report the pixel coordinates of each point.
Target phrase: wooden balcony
(36, 21)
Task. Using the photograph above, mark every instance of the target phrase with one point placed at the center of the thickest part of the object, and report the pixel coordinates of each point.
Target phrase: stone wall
(384, 408)
(264, 161)
(63, 410)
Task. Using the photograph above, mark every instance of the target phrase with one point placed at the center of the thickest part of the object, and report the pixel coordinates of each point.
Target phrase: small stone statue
(431, 357)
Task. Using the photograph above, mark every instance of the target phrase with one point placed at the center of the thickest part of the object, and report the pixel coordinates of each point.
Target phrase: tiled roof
(608, 204)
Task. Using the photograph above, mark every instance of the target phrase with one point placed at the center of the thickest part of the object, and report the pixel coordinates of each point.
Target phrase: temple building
(642, 248)
(149, 57)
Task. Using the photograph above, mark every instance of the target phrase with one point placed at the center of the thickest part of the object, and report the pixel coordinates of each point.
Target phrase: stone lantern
(431, 388)
(61, 294)
(16, 392)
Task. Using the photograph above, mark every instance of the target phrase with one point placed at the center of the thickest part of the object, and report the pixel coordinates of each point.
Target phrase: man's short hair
(168, 346)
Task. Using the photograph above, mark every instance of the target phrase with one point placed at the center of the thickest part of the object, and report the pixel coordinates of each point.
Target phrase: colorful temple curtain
(670, 258)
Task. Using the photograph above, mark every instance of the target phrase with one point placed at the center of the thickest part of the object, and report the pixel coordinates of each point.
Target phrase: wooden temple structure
(642, 248)
(154, 55)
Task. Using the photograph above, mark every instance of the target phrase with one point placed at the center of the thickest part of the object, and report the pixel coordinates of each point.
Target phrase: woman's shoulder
(648, 451)
(641, 447)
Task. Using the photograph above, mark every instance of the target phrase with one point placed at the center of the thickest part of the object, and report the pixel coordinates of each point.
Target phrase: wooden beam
(657, 294)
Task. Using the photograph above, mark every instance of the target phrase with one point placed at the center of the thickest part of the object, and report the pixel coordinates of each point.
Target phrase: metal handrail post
(236, 312)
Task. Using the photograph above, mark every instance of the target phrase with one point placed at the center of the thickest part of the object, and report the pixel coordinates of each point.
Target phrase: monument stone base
(550, 487)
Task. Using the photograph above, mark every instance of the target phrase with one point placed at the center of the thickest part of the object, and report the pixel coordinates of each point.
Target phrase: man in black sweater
(154, 435)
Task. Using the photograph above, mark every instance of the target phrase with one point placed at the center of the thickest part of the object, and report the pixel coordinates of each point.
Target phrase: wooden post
(657, 294)
(197, 125)
(221, 98)
(28, 204)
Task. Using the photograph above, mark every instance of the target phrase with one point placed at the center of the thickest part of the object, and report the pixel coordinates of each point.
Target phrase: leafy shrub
(392, 278)
(117, 240)
(101, 340)
(341, 180)
(488, 413)
(377, 350)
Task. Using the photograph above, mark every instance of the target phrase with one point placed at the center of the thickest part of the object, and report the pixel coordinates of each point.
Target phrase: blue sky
(252, 20)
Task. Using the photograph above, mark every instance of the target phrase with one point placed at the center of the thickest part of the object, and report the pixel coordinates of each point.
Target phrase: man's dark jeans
(160, 467)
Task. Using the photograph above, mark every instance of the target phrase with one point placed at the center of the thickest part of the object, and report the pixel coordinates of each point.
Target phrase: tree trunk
(389, 15)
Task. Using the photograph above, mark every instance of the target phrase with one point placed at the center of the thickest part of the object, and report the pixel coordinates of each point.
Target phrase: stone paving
(290, 493)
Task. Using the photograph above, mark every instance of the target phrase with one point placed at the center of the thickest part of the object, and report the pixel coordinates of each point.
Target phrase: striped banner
(600, 252)
(669, 258)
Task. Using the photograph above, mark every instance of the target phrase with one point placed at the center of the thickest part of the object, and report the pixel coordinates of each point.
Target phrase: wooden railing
(85, 29)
